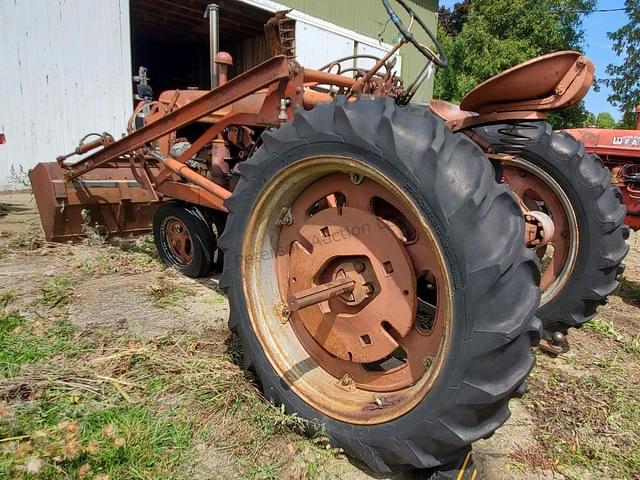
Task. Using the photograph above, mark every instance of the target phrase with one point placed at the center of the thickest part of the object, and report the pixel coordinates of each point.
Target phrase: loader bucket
(108, 200)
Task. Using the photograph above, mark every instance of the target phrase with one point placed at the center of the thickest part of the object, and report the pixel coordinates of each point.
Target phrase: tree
(497, 35)
(605, 120)
(624, 79)
(452, 20)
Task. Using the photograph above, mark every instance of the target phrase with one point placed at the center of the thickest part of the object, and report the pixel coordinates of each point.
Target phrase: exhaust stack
(212, 13)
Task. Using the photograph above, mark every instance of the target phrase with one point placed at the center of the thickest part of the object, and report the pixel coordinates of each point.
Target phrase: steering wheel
(440, 58)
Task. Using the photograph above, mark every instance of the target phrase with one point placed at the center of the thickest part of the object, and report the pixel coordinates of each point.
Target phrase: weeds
(112, 260)
(589, 421)
(23, 342)
(19, 177)
(5, 297)
(603, 328)
(96, 234)
(143, 244)
(165, 294)
(56, 292)
(629, 290)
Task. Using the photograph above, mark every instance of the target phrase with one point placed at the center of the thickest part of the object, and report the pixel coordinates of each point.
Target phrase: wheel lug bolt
(356, 178)
(427, 362)
(368, 289)
(285, 314)
(360, 267)
(346, 381)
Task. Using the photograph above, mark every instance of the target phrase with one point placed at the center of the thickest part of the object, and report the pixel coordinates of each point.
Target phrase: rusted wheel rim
(371, 354)
(179, 243)
(539, 191)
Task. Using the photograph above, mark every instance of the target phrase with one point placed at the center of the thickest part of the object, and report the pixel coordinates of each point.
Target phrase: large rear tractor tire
(551, 172)
(379, 283)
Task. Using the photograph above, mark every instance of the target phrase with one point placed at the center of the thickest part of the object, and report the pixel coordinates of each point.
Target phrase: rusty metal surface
(448, 111)
(620, 151)
(537, 192)
(549, 82)
(113, 202)
(197, 179)
(325, 78)
(273, 70)
(458, 119)
(376, 392)
(348, 239)
(179, 240)
(320, 293)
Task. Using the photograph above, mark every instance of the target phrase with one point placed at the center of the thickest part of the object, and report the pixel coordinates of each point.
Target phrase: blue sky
(598, 48)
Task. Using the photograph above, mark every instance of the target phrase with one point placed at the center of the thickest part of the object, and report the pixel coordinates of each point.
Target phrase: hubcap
(538, 191)
(347, 289)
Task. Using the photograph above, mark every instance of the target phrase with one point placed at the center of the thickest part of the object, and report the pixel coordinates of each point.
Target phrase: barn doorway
(171, 39)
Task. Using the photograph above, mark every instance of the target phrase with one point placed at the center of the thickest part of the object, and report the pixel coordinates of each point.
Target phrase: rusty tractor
(382, 269)
(619, 149)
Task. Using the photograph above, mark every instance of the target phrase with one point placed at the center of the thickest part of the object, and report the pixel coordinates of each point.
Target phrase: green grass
(23, 342)
(141, 245)
(56, 291)
(173, 395)
(125, 441)
(165, 294)
(603, 328)
(262, 471)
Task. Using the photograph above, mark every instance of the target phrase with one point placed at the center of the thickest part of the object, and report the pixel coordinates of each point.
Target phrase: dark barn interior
(171, 39)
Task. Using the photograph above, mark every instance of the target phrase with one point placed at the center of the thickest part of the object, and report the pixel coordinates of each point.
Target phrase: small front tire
(184, 238)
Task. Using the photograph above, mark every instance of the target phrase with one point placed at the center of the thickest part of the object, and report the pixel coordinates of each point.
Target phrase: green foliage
(605, 120)
(498, 35)
(624, 79)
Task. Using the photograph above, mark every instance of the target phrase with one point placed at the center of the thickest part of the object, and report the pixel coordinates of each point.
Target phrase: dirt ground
(579, 418)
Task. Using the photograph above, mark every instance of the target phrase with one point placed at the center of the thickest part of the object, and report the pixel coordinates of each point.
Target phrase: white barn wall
(65, 70)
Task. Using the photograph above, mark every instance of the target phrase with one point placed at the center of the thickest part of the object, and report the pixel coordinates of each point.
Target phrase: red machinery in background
(620, 151)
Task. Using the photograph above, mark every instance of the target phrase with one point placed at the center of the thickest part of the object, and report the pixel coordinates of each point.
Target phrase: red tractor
(620, 151)
(384, 268)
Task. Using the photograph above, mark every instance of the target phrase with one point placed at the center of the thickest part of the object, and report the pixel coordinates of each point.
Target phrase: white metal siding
(316, 47)
(377, 51)
(319, 42)
(65, 70)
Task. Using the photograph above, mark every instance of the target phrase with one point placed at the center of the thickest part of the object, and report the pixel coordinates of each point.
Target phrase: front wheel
(378, 281)
(550, 172)
(184, 238)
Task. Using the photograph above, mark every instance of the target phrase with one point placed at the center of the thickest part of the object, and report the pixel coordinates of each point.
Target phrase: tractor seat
(549, 82)
(546, 83)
